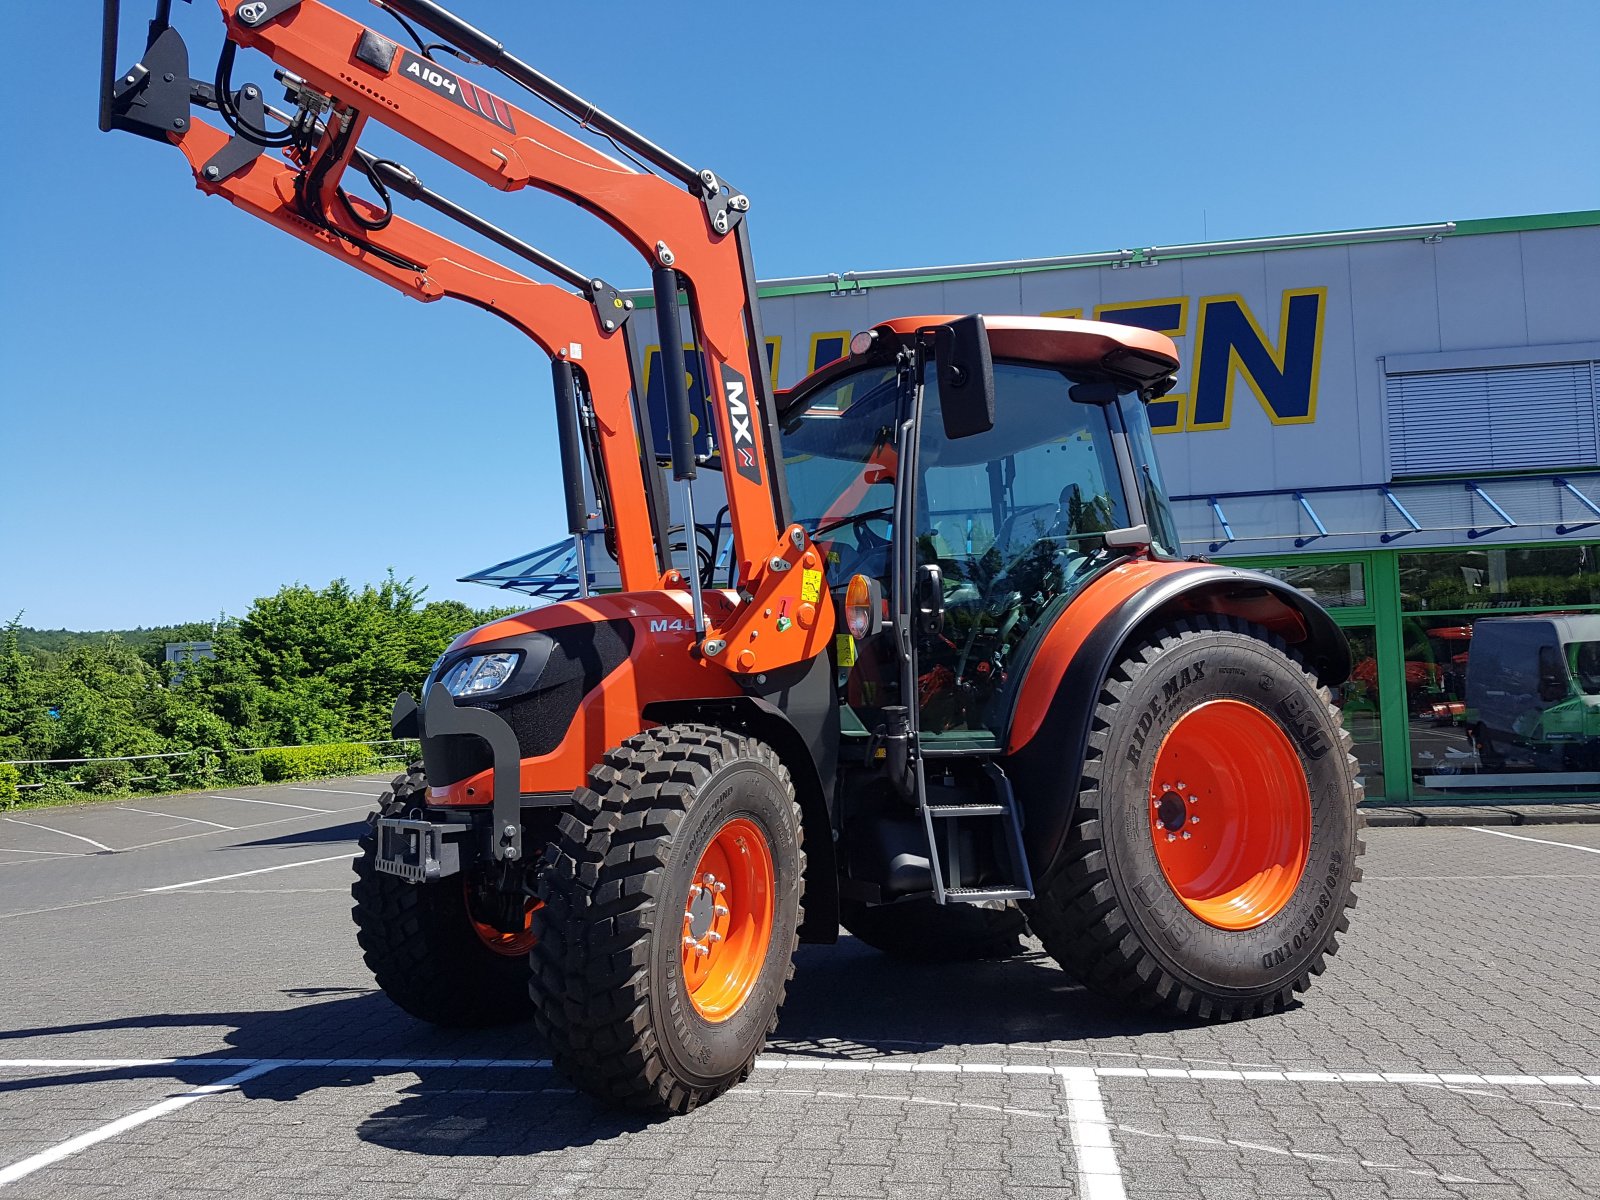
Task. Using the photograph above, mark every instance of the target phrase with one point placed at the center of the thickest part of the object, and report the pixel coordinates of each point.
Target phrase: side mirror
(966, 377)
(1552, 678)
(1096, 391)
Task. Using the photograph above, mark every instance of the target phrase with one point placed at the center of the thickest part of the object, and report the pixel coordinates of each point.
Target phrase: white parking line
(132, 1121)
(274, 804)
(310, 862)
(62, 832)
(176, 817)
(334, 791)
(1099, 1175)
(47, 853)
(1541, 841)
(1009, 1110)
(185, 837)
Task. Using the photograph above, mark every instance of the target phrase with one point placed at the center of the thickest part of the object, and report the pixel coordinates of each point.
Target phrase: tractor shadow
(845, 1000)
(849, 999)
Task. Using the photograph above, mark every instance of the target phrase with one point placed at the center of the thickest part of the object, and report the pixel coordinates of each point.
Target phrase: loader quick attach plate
(416, 850)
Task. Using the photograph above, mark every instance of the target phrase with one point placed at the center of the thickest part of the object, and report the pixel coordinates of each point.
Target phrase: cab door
(842, 462)
(1004, 527)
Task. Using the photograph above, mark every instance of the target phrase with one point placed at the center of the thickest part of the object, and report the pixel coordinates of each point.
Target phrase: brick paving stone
(1468, 952)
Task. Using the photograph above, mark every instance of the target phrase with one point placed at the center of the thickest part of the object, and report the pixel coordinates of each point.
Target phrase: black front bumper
(439, 720)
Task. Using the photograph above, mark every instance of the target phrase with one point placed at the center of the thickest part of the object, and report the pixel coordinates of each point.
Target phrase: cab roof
(1138, 355)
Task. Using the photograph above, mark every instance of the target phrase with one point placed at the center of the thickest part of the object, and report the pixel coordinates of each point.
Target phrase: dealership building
(1403, 422)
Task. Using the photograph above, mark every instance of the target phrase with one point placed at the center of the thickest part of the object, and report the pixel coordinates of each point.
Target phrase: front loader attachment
(289, 167)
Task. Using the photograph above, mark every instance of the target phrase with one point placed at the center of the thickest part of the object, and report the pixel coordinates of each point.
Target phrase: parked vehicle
(1533, 691)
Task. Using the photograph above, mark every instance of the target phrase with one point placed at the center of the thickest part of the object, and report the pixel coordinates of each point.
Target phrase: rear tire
(1215, 920)
(419, 940)
(922, 931)
(687, 839)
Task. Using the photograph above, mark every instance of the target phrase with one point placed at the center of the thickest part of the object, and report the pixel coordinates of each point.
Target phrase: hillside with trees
(303, 665)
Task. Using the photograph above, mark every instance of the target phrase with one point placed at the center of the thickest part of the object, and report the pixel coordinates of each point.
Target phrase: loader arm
(693, 236)
(566, 326)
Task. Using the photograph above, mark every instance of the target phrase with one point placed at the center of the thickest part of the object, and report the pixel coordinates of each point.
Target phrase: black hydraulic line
(680, 432)
(110, 17)
(481, 46)
(567, 440)
(404, 180)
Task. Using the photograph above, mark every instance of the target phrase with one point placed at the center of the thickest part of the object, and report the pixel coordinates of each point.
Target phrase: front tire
(1211, 859)
(422, 943)
(670, 917)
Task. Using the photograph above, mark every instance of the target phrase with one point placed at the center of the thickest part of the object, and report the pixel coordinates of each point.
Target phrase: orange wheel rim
(1230, 814)
(512, 945)
(727, 920)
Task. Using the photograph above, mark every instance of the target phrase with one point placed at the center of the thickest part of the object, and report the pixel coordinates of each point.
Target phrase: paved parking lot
(185, 1011)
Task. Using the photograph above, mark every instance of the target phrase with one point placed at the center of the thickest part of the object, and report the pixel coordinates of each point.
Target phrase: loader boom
(691, 229)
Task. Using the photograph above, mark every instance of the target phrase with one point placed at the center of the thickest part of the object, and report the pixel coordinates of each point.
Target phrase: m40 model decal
(469, 95)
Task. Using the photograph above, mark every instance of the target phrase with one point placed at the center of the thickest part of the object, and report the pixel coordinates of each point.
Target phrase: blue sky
(195, 409)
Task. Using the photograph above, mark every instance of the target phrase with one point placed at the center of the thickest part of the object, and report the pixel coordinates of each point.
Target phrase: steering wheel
(866, 536)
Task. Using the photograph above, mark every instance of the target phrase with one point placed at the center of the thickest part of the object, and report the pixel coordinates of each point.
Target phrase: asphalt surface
(185, 1012)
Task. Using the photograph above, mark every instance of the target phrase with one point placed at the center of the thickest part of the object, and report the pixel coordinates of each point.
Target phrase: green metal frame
(1383, 612)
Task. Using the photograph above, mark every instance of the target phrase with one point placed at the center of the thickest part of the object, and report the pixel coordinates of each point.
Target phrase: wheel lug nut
(709, 879)
(1186, 835)
(702, 951)
(721, 910)
(1171, 838)
(1194, 820)
(689, 941)
(719, 888)
(714, 936)
(694, 890)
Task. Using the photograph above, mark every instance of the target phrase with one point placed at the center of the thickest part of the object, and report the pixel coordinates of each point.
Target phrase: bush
(242, 770)
(9, 778)
(314, 762)
(108, 778)
(55, 791)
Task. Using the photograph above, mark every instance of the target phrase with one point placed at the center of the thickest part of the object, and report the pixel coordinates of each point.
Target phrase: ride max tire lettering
(607, 982)
(1110, 917)
(418, 940)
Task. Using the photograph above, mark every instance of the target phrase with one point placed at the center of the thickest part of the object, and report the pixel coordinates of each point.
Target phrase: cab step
(945, 860)
(967, 810)
(977, 895)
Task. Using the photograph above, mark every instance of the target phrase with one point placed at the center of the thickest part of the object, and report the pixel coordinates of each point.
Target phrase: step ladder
(1000, 807)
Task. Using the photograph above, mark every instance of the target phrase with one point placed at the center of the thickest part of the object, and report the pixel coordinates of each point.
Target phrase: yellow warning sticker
(845, 647)
(810, 586)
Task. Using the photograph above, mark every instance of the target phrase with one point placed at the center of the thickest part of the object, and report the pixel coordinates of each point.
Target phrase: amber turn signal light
(862, 606)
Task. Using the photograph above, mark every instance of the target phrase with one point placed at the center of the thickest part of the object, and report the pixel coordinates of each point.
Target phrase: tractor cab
(977, 510)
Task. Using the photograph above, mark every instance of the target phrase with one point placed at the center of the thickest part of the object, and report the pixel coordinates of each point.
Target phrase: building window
(1470, 579)
(1502, 670)
(1332, 585)
(1492, 419)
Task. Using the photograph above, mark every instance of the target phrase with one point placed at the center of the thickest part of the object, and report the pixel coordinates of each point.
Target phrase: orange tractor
(956, 681)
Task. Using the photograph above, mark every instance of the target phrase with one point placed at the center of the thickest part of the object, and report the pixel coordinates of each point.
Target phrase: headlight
(479, 674)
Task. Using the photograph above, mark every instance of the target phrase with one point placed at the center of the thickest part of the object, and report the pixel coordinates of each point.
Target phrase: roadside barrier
(197, 764)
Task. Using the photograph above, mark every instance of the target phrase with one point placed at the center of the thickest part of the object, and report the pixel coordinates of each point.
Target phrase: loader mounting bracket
(725, 205)
(254, 13)
(151, 98)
